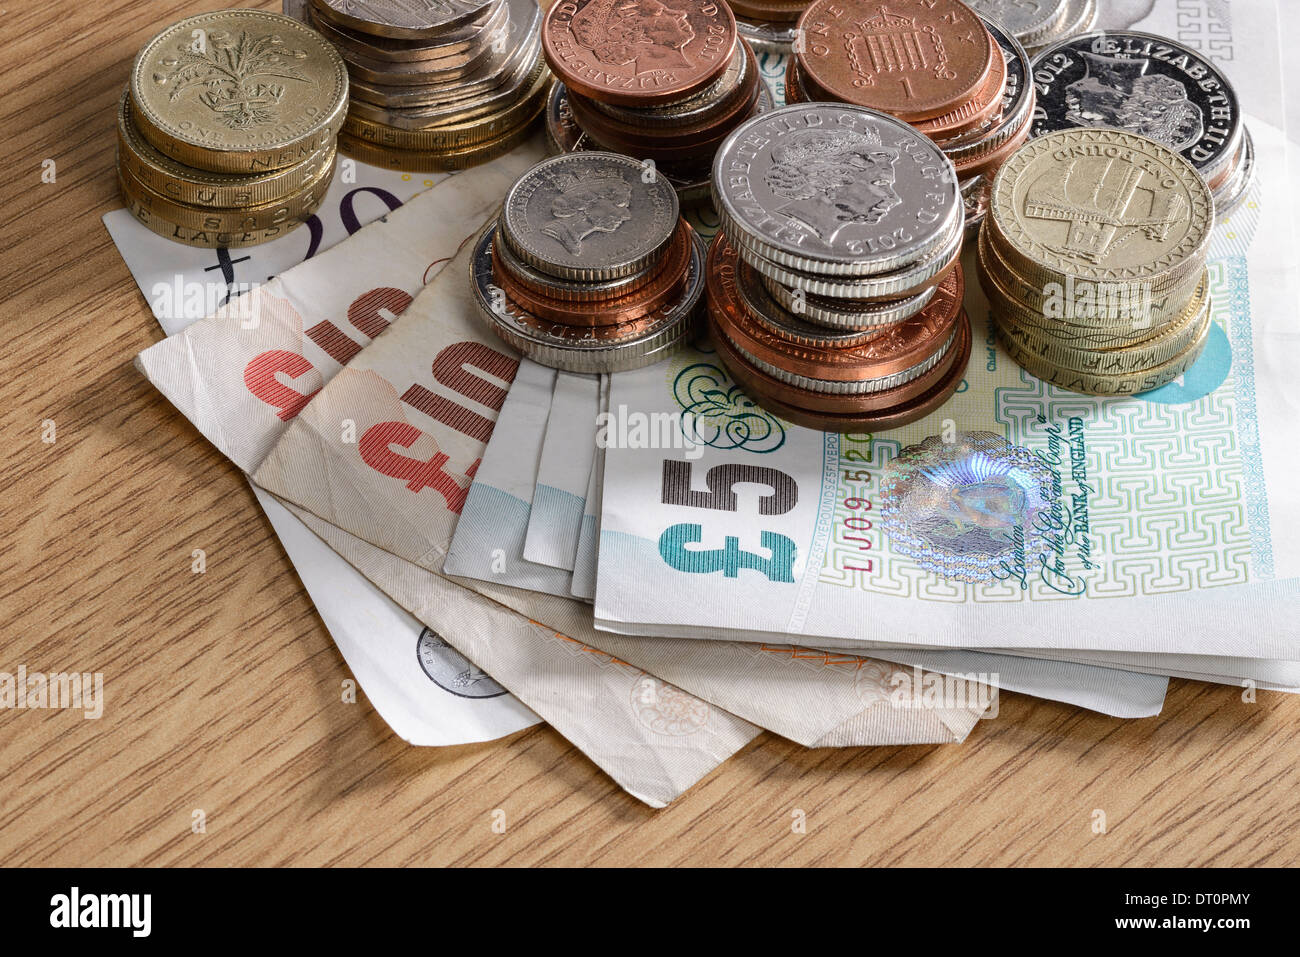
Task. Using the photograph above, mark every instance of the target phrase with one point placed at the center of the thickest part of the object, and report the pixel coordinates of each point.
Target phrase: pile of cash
(697, 82)
(876, 496)
(590, 267)
(1093, 260)
(835, 303)
(226, 135)
(435, 87)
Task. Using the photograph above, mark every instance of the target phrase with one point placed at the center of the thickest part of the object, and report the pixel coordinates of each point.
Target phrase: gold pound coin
(249, 220)
(1085, 313)
(455, 135)
(185, 184)
(1101, 205)
(1154, 350)
(1111, 385)
(239, 91)
(438, 161)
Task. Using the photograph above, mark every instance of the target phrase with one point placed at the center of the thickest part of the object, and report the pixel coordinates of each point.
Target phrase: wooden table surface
(223, 687)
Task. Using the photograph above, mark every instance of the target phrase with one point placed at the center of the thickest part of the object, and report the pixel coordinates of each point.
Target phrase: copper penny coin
(938, 387)
(916, 59)
(666, 286)
(699, 139)
(712, 125)
(769, 11)
(793, 94)
(975, 112)
(638, 52)
(892, 352)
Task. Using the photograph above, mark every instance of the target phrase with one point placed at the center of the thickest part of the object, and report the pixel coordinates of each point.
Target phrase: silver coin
(427, 73)
(881, 286)
(406, 19)
(456, 111)
(564, 347)
(564, 135)
(756, 293)
(1143, 84)
(976, 194)
(1230, 194)
(766, 37)
(1080, 17)
(834, 189)
(452, 42)
(1032, 21)
(1018, 100)
(846, 313)
(571, 290)
(590, 216)
(522, 45)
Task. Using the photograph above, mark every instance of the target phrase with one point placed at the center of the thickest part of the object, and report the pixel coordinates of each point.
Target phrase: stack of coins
(963, 81)
(1039, 23)
(1153, 87)
(835, 295)
(589, 267)
(1093, 260)
(227, 130)
(768, 25)
(662, 84)
(436, 86)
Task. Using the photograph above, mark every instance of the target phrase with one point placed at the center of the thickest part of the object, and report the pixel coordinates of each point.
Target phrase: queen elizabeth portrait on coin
(834, 177)
(643, 35)
(583, 207)
(1121, 94)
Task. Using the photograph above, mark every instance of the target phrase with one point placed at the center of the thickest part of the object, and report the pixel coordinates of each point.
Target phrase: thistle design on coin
(236, 74)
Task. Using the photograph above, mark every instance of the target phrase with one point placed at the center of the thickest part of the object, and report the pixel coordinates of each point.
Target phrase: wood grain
(223, 688)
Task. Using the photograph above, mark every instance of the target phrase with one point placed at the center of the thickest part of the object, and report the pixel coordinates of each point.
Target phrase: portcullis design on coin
(915, 59)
